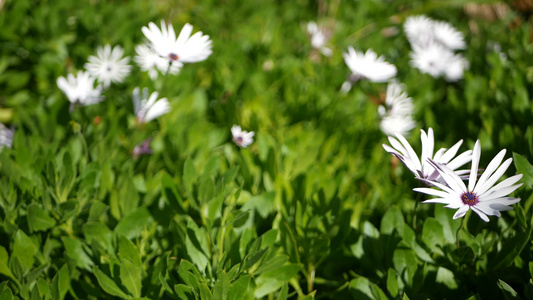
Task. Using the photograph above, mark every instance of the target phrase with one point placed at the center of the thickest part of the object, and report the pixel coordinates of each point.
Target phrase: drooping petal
(461, 212)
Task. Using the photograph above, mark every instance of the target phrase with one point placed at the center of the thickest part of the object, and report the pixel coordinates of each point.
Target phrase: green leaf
(239, 289)
(24, 250)
(524, 167)
(405, 263)
(132, 225)
(392, 282)
(38, 218)
(362, 288)
(270, 281)
(392, 220)
(185, 292)
(263, 204)
(6, 294)
(508, 292)
(108, 285)
(128, 251)
(511, 249)
(130, 275)
(447, 278)
(4, 268)
(283, 294)
(60, 283)
(433, 235)
(75, 250)
(222, 287)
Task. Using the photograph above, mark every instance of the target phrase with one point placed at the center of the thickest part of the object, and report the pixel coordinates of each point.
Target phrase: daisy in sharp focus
(151, 62)
(109, 65)
(242, 138)
(148, 108)
(421, 168)
(481, 195)
(80, 89)
(183, 49)
(6, 136)
(369, 66)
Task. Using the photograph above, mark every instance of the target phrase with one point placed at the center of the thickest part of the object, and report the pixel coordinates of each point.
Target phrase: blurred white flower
(422, 168)
(447, 35)
(80, 90)
(482, 196)
(147, 109)
(397, 103)
(6, 136)
(455, 68)
(184, 49)
(418, 30)
(401, 124)
(432, 59)
(108, 65)
(242, 138)
(319, 38)
(369, 66)
(149, 61)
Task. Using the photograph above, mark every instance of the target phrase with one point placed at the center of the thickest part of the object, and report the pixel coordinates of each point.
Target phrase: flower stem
(417, 201)
(458, 230)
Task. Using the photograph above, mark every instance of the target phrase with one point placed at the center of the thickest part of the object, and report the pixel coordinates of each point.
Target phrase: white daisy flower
(6, 136)
(147, 109)
(401, 124)
(80, 90)
(184, 49)
(482, 196)
(242, 138)
(149, 61)
(419, 30)
(319, 38)
(369, 66)
(397, 103)
(421, 168)
(433, 59)
(108, 65)
(447, 35)
(455, 68)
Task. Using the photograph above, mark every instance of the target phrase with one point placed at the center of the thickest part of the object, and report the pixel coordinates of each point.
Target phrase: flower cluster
(433, 43)
(319, 38)
(439, 170)
(162, 52)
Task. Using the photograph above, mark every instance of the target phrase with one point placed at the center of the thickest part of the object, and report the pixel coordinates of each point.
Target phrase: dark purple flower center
(238, 140)
(469, 198)
(173, 56)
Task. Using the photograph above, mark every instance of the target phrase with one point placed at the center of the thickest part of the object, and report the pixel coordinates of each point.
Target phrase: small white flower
(108, 65)
(184, 49)
(147, 109)
(401, 124)
(369, 66)
(149, 61)
(419, 30)
(482, 196)
(432, 59)
(397, 103)
(6, 136)
(242, 138)
(421, 168)
(80, 89)
(319, 38)
(450, 37)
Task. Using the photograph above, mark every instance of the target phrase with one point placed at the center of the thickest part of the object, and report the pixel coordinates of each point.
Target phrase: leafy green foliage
(314, 208)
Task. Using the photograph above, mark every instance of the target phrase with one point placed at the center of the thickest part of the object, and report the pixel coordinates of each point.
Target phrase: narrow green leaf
(108, 285)
(24, 250)
(270, 281)
(508, 292)
(6, 294)
(392, 282)
(524, 167)
(239, 289)
(132, 224)
(283, 294)
(75, 250)
(185, 292)
(127, 250)
(222, 287)
(38, 218)
(130, 275)
(60, 283)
